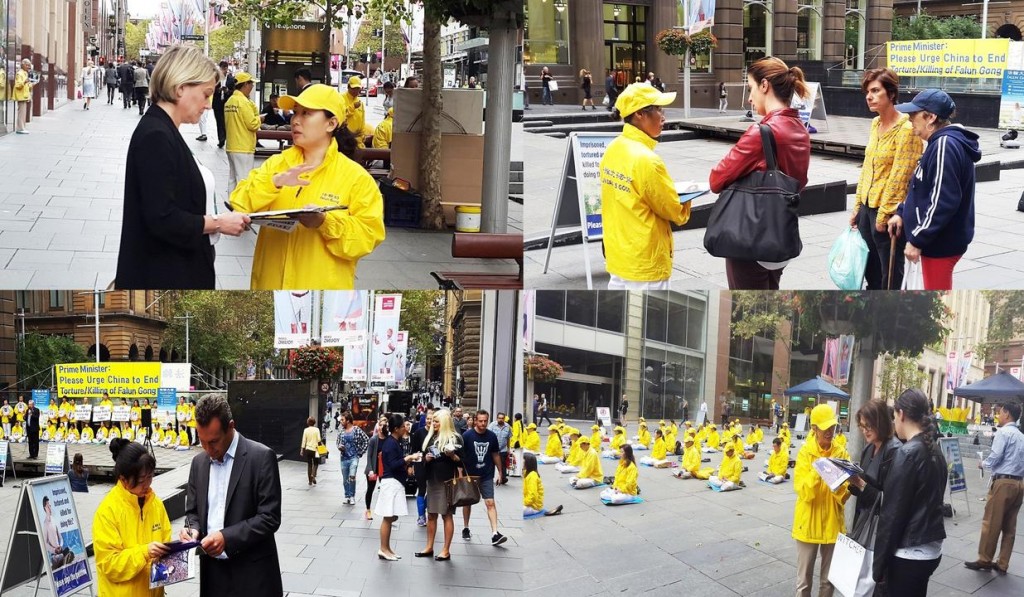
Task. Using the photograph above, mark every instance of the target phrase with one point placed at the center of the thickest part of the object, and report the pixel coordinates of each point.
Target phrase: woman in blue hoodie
(938, 215)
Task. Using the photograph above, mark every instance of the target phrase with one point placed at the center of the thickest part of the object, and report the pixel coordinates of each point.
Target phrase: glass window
(611, 310)
(56, 299)
(856, 32)
(551, 304)
(22, 300)
(695, 325)
(546, 35)
(808, 31)
(581, 307)
(655, 318)
(757, 32)
(676, 332)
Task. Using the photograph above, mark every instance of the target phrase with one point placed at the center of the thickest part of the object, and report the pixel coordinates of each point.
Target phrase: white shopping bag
(850, 572)
(553, 85)
(913, 278)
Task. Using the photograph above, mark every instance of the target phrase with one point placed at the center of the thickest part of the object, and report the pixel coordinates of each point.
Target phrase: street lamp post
(188, 319)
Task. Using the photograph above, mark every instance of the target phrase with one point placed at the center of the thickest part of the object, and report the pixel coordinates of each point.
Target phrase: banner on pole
(701, 15)
(846, 345)
(344, 319)
(293, 312)
(401, 353)
(952, 371)
(957, 58)
(387, 312)
(354, 363)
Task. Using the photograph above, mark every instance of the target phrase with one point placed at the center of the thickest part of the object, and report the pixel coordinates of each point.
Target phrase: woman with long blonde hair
(586, 84)
(442, 454)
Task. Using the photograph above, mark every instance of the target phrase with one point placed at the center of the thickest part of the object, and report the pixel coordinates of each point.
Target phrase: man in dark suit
(221, 93)
(126, 75)
(32, 429)
(303, 79)
(233, 506)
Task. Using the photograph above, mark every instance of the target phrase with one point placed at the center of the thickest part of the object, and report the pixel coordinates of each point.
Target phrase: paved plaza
(994, 260)
(61, 207)
(686, 539)
(328, 549)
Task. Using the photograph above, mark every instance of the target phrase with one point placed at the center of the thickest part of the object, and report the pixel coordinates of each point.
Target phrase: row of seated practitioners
(278, 119)
(79, 432)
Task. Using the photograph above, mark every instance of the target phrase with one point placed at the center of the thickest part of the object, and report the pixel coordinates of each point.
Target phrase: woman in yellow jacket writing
(533, 490)
(624, 489)
(590, 473)
(130, 527)
(315, 172)
(818, 518)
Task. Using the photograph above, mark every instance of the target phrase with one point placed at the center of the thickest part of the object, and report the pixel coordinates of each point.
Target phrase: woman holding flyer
(130, 527)
(818, 518)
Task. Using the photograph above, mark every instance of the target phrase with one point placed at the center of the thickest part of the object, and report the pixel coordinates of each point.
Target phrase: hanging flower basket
(316, 362)
(675, 42)
(542, 369)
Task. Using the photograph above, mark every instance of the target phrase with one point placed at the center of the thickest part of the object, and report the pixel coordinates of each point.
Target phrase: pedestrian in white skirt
(391, 499)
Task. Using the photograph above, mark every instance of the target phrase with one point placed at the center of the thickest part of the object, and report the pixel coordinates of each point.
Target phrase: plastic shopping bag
(847, 260)
(913, 278)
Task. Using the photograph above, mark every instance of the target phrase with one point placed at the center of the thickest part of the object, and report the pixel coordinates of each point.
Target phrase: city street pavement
(994, 260)
(328, 549)
(689, 540)
(61, 208)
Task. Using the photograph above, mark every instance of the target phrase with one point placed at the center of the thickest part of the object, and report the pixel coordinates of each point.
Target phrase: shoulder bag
(463, 490)
(755, 218)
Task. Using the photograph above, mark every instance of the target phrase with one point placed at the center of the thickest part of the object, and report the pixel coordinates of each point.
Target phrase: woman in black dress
(586, 82)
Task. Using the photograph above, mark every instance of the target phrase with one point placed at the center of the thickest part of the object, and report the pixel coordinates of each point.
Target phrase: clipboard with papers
(689, 190)
(287, 219)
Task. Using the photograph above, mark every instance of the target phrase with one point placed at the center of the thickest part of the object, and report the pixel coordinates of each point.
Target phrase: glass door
(625, 37)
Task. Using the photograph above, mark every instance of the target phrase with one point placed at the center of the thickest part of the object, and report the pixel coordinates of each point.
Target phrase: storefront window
(808, 31)
(581, 307)
(625, 36)
(551, 304)
(546, 36)
(675, 319)
(856, 25)
(757, 32)
(589, 381)
(611, 310)
(671, 381)
(603, 309)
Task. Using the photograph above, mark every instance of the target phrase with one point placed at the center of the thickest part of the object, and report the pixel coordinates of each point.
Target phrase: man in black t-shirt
(483, 457)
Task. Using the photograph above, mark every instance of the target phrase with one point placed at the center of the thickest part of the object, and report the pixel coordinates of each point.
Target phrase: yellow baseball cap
(823, 417)
(355, 82)
(595, 427)
(620, 429)
(242, 78)
(640, 95)
(391, 113)
(315, 97)
(584, 439)
(531, 426)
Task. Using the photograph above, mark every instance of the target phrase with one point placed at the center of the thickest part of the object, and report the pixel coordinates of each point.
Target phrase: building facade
(968, 327)
(619, 37)
(1005, 19)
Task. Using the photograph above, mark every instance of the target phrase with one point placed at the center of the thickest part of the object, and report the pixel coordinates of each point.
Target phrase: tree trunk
(430, 138)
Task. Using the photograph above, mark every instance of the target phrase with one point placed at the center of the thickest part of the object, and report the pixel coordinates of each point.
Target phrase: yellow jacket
(121, 537)
(383, 133)
(517, 433)
(691, 458)
(354, 117)
(618, 440)
(531, 441)
(241, 120)
(889, 162)
(840, 440)
(625, 478)
(730, 468)
(554, 446)
(575, 454)
(183, 438)
(659, 451)
(192, 415)
(113, 433)
(638, 205)
(87, 434)
(533, 491)
(595, 441)
(22, 88)
(644, 437)
(819, 516)
(323, 257)
(778, 463)
(714, 441)
(590, 466)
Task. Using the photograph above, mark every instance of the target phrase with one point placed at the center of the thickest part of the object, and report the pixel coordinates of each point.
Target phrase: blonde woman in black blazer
(166, 235)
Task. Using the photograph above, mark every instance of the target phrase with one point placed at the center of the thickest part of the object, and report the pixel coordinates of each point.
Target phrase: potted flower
(316, 362)
(675, 42)
(542, 369)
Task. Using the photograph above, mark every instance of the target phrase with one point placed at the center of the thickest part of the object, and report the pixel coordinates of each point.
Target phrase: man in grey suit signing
(233, 507)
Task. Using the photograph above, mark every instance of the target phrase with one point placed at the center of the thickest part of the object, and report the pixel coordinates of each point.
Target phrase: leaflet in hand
(175, 567)
(689, 190)
(176, 546)
(286, 219)
(834, 471)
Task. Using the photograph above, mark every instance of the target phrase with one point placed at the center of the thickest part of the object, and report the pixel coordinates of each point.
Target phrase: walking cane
(892, 259)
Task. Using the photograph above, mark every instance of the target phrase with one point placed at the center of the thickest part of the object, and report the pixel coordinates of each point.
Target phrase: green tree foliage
(929, 27)
(223, 39)
(283, 12)
(898, 374)
(226, 328)
(1006, 319)
(135, 38)
(38, 353)
(368, 37)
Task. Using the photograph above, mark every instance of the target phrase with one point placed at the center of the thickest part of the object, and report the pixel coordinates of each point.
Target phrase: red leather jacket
(793, 149)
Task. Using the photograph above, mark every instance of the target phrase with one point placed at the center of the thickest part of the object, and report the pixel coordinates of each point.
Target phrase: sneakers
(498, 539)
(421, 521)
(201, 138)
(466, 534)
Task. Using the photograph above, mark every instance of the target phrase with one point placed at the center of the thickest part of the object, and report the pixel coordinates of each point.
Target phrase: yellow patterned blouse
(889, 162)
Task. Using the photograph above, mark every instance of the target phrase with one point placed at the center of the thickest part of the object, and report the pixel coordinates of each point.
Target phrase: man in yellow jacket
(728, 476)
(354, 116)
(590, 473)
(383, 134)
(242, 120)
(778, 463)
(639, 202)
(818, 518)
(531, 439)
(22, 95)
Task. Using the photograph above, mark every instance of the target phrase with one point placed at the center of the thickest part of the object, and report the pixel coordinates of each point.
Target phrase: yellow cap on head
(355, 82)
(315, 97)
(823, 417)
(640, 95)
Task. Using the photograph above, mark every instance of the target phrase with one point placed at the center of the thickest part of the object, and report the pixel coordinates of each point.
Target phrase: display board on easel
(6, 460)
(604, 414)
(811, 106)
(56, 459)
(950, 447)
(46, 539)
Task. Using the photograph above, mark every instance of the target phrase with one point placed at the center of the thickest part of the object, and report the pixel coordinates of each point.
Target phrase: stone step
(532, 124)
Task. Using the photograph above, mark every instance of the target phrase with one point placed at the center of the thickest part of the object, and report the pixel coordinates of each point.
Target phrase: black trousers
(222, 134)
(127, 93)
(140, 98)
(909, 577)
(33, 443)
(110, 92)
(751, 275)
(876, 272)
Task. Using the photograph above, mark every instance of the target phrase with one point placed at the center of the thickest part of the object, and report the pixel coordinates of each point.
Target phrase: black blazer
(251, 517)
(32, 415)
(873, 486)
(162, 240)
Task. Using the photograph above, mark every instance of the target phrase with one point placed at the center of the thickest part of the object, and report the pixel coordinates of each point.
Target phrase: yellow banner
(120, 380)
(964, 58)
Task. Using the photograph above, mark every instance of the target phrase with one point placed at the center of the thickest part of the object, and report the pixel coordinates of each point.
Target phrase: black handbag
(755, 218)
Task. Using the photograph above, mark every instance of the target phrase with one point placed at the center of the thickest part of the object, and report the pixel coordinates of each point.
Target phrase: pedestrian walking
(482, 457)
(222, 92)
(237, 524)
(772, 84)
(818, 516)
(242, 120)
(308, 449)
(639, 202)
(324, 251)
(723, 98)
(110, 80)
(937, 218)
(441, 449)
(545, 85)
(166, 234)
(504, 434)
(908, 540)
(726, 410)
(23, 95)
(611, 92)
(890, 158)
(586, 84)
(623, 409)
(126, 81)
(141, 87)
(351, 444)
(90, 81)
(397, 466)
(543, 410)
(374, 468)
(1006, 464)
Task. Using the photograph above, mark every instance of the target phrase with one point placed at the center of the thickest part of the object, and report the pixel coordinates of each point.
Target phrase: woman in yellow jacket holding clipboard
(321, 252)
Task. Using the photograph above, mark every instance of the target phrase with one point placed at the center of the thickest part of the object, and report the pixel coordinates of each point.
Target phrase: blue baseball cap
(935, 101)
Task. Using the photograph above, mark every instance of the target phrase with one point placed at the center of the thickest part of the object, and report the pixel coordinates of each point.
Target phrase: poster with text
(954, 463)
(176, 375)
(387, 311)
(344, 318)
(60, 534)
(293, 313)
(845, 358)
(41, 398)
(401, 356)
(131, 381)
(587, 152)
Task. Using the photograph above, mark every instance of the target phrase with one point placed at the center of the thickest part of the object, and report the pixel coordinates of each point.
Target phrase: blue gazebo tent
(817, 387)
